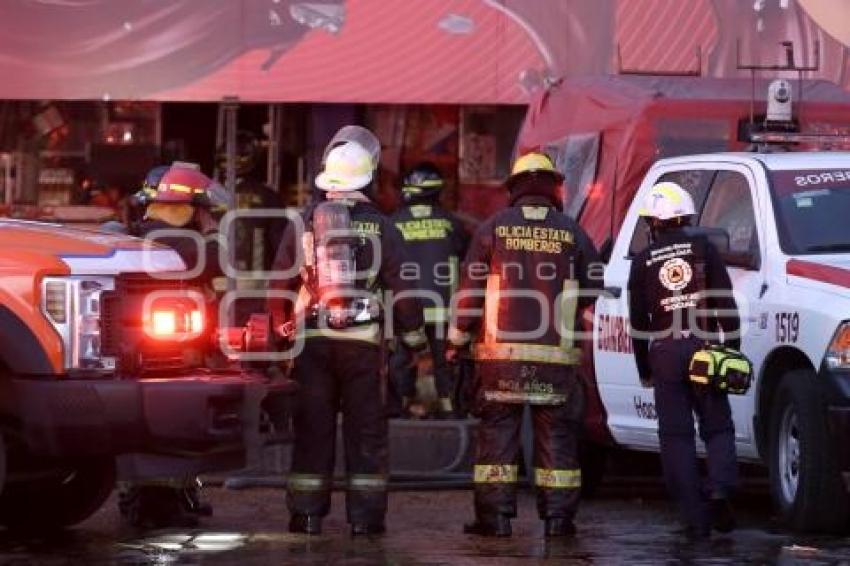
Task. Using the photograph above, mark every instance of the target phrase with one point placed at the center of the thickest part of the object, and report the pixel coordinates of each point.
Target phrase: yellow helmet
(533, 162)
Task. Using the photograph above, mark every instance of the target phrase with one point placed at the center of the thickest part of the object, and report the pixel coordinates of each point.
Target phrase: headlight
(838, 353)
(72, 305)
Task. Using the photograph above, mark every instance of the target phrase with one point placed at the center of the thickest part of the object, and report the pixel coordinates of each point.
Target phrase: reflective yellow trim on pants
(307, 482)
(370, 333)
(446, 404)
(557, 479)
(520, 352)
(496, 473)
(522, 397)
(367, 482)
(435, 315)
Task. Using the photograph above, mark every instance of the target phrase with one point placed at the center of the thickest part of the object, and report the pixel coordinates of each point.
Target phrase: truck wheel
(57, 501)
(804, 479)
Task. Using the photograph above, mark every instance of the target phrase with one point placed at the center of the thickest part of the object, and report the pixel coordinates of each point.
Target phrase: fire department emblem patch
(675, 274)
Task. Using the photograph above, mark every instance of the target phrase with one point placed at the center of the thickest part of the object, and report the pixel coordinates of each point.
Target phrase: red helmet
(182, 185)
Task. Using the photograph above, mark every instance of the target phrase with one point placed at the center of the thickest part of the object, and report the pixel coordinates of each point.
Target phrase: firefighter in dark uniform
(435, 241)
(175, 198)
(256, 238)
(678, 276)
(186, 199)
(528, 269)
(351, 252)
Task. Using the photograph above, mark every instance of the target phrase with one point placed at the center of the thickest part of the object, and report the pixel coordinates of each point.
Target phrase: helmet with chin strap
(423, 182)
(533, 164)
(667, 201)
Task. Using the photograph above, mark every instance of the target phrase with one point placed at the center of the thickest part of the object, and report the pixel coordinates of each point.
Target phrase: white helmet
(358, 135)
(348, 167)
(666, 201)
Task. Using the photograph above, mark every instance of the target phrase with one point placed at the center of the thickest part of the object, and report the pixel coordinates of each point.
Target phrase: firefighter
(672, 283)
(435, 241)
(185, 199)
(528, 273)
(350, 253)
(257, 238)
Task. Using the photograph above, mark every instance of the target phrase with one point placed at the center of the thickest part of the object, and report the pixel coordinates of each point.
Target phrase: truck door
(630, 407)
(732, 205)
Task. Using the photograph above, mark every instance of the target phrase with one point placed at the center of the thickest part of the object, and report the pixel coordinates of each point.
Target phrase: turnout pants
(557, 475)
(334, 376)
(404, 377)
(676, 401)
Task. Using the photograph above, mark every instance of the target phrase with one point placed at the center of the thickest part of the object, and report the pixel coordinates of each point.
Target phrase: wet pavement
(621, 526)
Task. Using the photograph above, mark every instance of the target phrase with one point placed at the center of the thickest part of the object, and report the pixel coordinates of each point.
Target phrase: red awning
(393, 51)
(381, 51)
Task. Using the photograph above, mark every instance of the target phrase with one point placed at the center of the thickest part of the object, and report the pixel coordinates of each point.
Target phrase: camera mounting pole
(790, 65)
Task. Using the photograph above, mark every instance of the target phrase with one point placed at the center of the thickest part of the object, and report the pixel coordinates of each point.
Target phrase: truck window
(730, 206)
(812, 207)
(695, 181)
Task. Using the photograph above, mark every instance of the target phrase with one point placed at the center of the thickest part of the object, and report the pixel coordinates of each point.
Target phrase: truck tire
(57, 501)
(804, 479)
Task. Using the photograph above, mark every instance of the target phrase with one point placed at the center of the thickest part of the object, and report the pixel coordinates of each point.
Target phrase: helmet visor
(360, 136)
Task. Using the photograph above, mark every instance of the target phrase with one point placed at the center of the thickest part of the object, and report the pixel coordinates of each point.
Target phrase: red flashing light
(175, 323)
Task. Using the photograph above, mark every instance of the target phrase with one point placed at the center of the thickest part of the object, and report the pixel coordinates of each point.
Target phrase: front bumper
(196, 414)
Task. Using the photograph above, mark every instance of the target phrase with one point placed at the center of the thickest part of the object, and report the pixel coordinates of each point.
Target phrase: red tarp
(640, 119)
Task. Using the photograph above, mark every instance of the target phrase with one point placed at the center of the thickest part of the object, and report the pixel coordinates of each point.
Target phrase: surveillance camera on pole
(779, 102)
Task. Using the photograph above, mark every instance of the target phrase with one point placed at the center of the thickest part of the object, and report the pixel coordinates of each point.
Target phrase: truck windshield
(813, 208)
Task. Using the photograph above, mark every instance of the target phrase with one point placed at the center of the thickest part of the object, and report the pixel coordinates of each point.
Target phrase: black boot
(361, 529)
(305, 524)
(722, 517)
(491, 526)
(194, 504)
(558, 527)
(145, 506)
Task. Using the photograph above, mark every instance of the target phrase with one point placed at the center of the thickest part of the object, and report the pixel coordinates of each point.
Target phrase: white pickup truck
(784, 224)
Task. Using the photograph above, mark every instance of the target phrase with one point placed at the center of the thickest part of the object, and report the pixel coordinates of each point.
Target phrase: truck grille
(123, 336)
